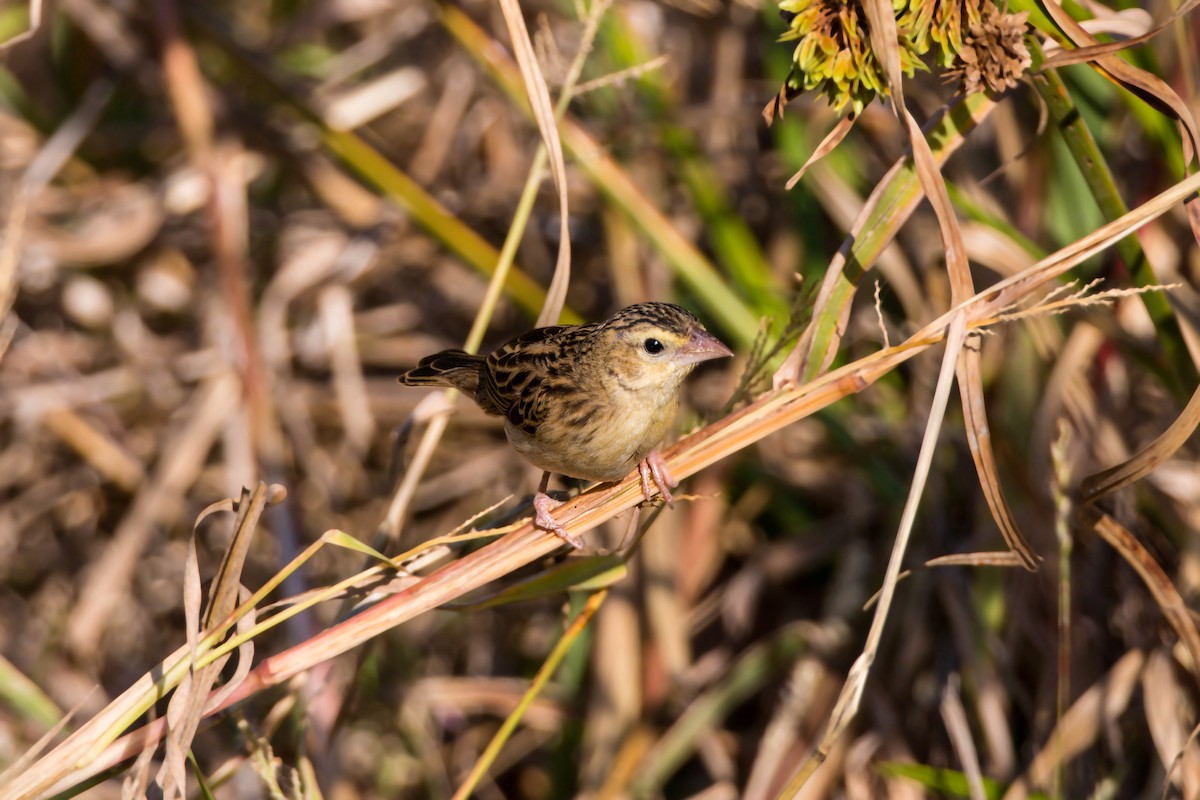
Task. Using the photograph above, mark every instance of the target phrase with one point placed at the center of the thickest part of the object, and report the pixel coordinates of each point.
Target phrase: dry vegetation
(228, 226)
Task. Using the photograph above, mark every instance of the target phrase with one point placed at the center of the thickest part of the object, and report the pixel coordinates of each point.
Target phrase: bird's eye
(653, 346)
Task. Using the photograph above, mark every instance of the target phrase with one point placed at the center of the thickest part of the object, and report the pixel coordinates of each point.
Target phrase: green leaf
(343, 539)
(589, 574)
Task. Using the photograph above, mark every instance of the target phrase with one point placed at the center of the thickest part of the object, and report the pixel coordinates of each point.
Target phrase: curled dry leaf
(1144, 461)
(1148, 569)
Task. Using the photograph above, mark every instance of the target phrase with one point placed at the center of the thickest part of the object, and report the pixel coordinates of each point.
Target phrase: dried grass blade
(1167, 723)
(397, 510)
(35, 22)
(621, 77)
(82, 750)
(187, 706)
(336, 310)
(185, 85)
(831, 140)
(1193, 213)
(939, 198)
(955, 718)
(27, 758)
(109, 458)
(989, 558)
(970, 379)
(222, 594)
(543, 114)
(184, 710)
(979, 438)
(135, 783)
(1061, 462)
(72, 760)
(1093, 51)
(1161, 589)
(848, 700)
(885, 46)
(184, 713)
(245, 655)
(1148, 458)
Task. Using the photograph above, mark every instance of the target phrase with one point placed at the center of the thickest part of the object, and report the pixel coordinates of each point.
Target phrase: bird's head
(652, 344)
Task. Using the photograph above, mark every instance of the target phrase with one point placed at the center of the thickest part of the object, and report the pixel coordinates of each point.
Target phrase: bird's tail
(455, 368)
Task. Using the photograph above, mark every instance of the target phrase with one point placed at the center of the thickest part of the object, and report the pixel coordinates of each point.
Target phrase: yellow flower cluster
(834, 55)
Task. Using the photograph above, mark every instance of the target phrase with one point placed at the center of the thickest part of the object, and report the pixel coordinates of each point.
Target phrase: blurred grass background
(232, 224)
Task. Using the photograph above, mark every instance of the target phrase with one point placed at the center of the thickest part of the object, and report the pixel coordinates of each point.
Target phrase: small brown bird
(587, 401)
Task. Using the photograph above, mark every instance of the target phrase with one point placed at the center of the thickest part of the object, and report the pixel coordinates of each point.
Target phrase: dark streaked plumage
(589, 401)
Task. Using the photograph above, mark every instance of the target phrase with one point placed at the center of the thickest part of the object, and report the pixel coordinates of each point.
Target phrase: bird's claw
(542, 503)
(653, 467)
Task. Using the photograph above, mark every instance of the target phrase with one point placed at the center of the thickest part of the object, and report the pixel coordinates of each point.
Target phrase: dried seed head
(994, 55)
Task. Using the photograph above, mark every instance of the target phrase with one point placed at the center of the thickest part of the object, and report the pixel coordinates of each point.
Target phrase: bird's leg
(542, 503)
(653, 466)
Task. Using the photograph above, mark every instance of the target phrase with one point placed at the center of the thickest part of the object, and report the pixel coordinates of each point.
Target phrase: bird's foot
(653, 467)
(542, 503)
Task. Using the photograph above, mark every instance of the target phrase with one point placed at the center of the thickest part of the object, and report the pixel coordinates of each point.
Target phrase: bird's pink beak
(702, 346)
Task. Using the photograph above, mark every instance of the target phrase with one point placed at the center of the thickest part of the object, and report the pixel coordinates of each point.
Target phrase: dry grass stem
(621, 77)
(547, 122)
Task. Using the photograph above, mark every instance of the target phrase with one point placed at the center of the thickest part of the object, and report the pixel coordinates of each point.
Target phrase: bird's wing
(455, 368)
(522, 378)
